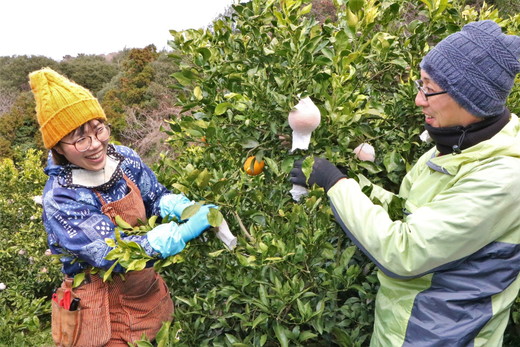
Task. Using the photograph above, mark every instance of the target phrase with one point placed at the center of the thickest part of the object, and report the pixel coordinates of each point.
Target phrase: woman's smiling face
(94, 158)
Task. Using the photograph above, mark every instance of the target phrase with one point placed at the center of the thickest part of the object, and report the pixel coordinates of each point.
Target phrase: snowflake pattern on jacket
(75, 225)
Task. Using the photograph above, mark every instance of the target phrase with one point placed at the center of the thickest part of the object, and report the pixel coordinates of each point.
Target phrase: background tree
(138, 100)
(91, 71)
(19, 129)
(14, 71)
(294, 279)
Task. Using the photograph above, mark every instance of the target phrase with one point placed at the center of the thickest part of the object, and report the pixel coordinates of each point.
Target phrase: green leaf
(110, 242)
(307, 165)
(263, 295)
(216, 253)
(120, 222)
(249, 143)
(78, 279)
(346, 256)
(163, 337)
(181, 188)
(140, 264)
(262, 317)
(183, 78)
(281, 335)
(305, 10)
(197, 92)
(203, 178)
(107, 273)
(287, 164)
(356, 5)
(206, 53)
(392, 161)
(272, 165)
(190, 211)
(306, 335)
(370, 166)
(221, 108)
(215, 218)
(152, 220)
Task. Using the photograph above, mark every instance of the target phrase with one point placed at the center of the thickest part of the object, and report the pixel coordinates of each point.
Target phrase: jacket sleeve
(458, 221)
(79, 228)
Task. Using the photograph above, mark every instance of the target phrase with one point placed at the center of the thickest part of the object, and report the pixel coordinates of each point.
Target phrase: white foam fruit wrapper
(298, 191)
(225, 235)
(300, 140)
(303, 119)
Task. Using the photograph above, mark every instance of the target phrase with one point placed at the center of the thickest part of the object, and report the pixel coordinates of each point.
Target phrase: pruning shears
(64, 301)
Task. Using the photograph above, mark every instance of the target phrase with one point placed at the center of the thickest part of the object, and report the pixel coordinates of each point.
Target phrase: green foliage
(90, 71)
(19, 129)
(138, 100)
(14, 70)
(131, 89)
(294, 278)
(27, 271)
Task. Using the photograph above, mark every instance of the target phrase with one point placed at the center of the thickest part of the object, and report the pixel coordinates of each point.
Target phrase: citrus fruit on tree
(253, 167)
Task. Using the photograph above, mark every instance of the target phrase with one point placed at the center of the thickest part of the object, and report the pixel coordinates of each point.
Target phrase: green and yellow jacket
(449, 269)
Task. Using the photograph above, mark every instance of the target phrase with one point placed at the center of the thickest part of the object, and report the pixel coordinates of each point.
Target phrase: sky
(55, 28)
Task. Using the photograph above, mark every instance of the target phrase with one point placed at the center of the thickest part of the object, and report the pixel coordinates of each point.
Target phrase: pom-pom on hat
(61, 105)
(476, 66)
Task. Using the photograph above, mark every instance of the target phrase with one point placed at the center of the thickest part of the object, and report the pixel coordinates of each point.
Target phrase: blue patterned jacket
(72, 215)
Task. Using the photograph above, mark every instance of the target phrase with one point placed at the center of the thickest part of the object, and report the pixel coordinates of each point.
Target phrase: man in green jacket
(449, 270)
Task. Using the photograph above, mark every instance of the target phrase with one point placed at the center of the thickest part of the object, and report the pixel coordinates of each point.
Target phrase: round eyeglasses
(83, 144)
(425, 95)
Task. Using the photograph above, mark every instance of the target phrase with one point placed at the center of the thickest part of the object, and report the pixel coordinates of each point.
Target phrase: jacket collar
(505, 143)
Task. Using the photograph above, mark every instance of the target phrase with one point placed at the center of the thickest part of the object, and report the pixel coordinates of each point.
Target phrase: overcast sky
(55, 28)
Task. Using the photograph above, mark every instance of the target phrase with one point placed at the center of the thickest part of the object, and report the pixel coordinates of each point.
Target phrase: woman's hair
(60, 159)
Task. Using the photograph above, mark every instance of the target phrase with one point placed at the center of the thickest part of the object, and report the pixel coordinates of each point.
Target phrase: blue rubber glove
(166, 239)
(196, 224)
(170, 238)
(173, 205)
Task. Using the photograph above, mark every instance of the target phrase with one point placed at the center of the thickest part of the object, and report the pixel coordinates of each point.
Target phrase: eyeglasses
(420, 88)
(83, 144)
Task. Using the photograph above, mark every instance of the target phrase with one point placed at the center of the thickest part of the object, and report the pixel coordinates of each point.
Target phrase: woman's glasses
(83, 144)
(425, 95)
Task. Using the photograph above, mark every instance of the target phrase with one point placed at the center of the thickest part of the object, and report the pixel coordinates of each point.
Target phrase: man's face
(441, 110)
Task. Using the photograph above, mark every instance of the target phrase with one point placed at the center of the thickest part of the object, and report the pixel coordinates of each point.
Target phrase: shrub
(294, 278)
(28, 273)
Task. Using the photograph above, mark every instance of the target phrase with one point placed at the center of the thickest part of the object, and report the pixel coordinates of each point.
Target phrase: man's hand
(324, 174)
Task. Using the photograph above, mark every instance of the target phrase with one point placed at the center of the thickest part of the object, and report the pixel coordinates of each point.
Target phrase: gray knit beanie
(476, 66)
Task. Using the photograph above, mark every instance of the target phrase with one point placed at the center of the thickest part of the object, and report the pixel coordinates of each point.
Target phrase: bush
(28, 273)
(294, 278)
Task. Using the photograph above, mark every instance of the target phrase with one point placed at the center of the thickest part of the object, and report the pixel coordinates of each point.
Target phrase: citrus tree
(294, 278)
(27, 274)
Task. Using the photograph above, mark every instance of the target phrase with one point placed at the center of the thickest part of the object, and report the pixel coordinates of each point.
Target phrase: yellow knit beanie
(61, 105)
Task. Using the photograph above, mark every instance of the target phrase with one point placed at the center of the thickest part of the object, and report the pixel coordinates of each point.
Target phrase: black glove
(324, 174)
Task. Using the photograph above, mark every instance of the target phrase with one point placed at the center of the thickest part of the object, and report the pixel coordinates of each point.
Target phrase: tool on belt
(66, 315)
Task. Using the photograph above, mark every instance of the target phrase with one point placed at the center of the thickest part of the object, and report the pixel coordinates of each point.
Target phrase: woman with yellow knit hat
(90, 183)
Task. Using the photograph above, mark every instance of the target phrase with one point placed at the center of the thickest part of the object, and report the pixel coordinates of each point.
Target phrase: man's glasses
(83, 144)
(425, 95)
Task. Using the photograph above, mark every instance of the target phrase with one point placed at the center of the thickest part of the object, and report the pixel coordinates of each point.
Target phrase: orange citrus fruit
(255, 168)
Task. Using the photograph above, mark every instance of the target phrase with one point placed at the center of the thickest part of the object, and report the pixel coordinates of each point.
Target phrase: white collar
(88, 178)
